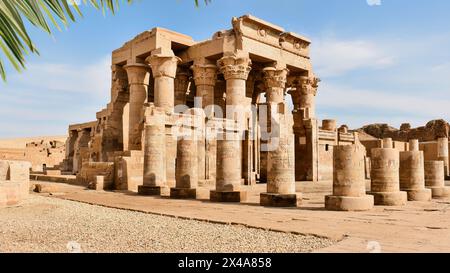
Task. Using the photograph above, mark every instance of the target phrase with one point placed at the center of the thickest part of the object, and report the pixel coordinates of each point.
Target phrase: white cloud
(332, 57)
(47, 97)
(381, 105)
(94, 78)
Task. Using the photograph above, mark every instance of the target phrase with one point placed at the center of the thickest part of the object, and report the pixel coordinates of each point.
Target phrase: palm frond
(15, 42)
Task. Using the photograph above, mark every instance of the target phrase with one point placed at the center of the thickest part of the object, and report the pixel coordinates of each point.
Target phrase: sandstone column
(205, 76)
(235, 70)
(435, 180)
(349, 185)
(228, 170)
(181, 87)
(138, 79)
(164, 65)
(385, 175)
(329, 125)
(412, 175)
(304, 97)
(442, 153)
(305, 127)
(186, 168)
(274, 84)
(154, 160)
(388, 143)
(164, 68)
(281, 190)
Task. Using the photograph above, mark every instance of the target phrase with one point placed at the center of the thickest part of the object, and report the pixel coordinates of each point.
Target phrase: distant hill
(430, 132)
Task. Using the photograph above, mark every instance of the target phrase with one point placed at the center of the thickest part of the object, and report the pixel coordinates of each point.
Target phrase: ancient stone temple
(246, 98)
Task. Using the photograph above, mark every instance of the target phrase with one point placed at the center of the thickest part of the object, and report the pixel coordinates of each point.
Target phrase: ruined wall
(50, 153)
(129, 171)
(38, 151)
(91, 170)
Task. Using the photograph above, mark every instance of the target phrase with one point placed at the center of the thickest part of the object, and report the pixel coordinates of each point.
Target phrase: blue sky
(387, 63)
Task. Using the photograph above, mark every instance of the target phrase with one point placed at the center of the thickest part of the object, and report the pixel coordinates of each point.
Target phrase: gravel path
(43, 224)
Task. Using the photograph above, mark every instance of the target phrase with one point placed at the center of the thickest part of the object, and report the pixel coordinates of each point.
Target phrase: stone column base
(228, 196)
(178, 193)
(152, 190)
(440, 192)
(346, 203)
(423, 195)
(398, 198)
(280, 200)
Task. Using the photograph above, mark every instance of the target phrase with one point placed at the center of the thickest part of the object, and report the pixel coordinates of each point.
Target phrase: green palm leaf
(15, 43)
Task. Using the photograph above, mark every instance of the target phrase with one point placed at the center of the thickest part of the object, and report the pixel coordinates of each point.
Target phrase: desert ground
(69, 218)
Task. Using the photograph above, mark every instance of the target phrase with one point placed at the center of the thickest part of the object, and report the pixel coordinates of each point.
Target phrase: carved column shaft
(181, 87)
(138, 78)
(205, 76)
(164, 68)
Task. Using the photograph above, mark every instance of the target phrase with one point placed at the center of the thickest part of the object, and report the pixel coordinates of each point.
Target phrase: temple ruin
(236, 110)
(238, 82)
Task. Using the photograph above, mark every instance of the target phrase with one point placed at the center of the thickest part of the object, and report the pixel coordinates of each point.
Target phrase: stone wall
(39, 151)
(14, 182)
(129, 171)
(97, 175)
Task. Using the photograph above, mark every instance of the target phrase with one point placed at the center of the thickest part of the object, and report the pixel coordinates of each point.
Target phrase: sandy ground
(45, 224)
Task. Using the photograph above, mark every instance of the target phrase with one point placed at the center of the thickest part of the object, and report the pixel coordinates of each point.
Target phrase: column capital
(306, 85)
(275, 78)
(137, 73)
(163, 65)
(233, 67)
(182, 78)
(204, 74)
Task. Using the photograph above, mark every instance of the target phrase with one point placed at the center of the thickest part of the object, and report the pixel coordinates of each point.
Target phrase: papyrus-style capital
(233, 67)
(138, 73)
(275, 78)
(163, 65)
(204, 74)
(306, 85)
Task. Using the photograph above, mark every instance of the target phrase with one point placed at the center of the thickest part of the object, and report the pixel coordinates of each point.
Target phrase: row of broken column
(396, 177)
(280, 165)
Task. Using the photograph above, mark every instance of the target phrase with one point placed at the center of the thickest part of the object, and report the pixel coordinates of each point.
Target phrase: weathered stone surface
(155, 156)
(14, 182)
(280, 200)
(385, 176)
(129, 169)
(412, 174)
(89, 172)
(349, 187)
(435, 180)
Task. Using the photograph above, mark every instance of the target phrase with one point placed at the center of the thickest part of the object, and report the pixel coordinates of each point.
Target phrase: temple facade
(244, 101)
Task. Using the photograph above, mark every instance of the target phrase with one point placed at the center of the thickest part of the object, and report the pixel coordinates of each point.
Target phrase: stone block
(178, 193)
(398, 198)
(348, 203)
(280, 200)
(228, 197)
